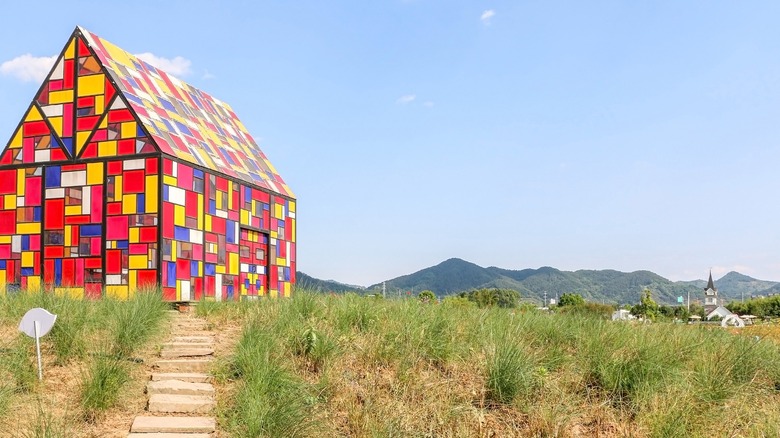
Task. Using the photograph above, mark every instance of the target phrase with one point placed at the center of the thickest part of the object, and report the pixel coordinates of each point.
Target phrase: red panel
(93, 263)
(32, 191)
(5, 251)
(7, 181)
(77, 220)
(115, 167)
(83, 50)
(8, 222)
(222, 184)
(218, 225)
(152, 166)
(184, 177)
(138, 248)
(85, 102)
(169, 294)
(110, 91)
(53, 252)
(167, 220)
(93, 290)
(113, 208)
(168, 167)
(73, 167)
(147, 277)
(191, 201)
(148, 234)
(122, 115)
(117, 228)
(182, 269)
(198, 282)
(55, 210)
(68, 272)
(67, 81)
(209, 285)
(113, 261)
(79, 272)
(126, 147)
(67, 116)
(96, 209)
(34, 129)
(288, 229)
(48, 271)
(86, 123)
(133, 181)
(90, 151)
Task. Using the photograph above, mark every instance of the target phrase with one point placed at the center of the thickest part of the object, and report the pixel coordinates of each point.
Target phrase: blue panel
(2, 264)
(27, 271)
(266, 206)
(257, 284)
(183, 128)
(57, 272)
(212, 206)
(89, 230)
(230, 232)
(122, 244)
(171, 280)
(286, 274)
(194, 269)
(53, 176)
(133, 98)
(167, 105)
(25, 242)
(210, 269)
(140, 203)
(229, 291)
(247, 193)
(246, 283)
(197, 173)
(37, 216)
(165, 192)
(181, 233)
(67, 142)
(139, 132)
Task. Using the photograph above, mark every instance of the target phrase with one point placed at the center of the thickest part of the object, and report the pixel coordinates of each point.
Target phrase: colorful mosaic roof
(185, 122)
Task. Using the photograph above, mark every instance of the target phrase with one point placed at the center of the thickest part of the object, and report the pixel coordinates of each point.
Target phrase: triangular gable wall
(77, 114)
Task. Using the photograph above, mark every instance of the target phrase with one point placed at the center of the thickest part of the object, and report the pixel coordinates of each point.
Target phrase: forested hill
(608, 286)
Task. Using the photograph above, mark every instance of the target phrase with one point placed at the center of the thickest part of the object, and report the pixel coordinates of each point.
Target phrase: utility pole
(384, 290)
(544, 304)
(689, 301)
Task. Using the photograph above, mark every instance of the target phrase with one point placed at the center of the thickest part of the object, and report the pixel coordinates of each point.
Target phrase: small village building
(121, 176)
(622, 315)
(719, 312)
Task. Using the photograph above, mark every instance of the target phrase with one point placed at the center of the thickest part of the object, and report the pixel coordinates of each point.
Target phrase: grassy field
(91, 355)
(319, 365)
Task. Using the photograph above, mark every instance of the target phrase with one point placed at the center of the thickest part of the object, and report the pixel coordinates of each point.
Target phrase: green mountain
(608, 286)
(310, 283)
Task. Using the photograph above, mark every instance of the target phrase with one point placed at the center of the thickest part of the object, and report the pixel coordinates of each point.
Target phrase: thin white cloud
(178, 66)
(405, 99)
(486, 16)
(428, 104)
(28, 68)
(207, 75)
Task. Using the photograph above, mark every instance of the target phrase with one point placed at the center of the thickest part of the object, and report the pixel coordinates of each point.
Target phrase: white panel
(260, 269)
(218, 287)
(134, 164)
(244, 267)
(59, 70)
(175, 169)
(55, 193)
(177, 195)
(42, 155)
(74, 179)
(20, 201)
(222, 213)
(291, 215)
(185, 290)
(16, 243)
(86, 201)
(52, 110)
(196, 236)
(114, 279)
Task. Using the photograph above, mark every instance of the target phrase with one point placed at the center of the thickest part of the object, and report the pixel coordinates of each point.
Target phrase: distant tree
(697, 309)
(427, 296)
(571, 299)
(647, 306)
(493, 297)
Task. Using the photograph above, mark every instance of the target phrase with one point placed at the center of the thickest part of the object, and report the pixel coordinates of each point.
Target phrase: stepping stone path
(180, 393)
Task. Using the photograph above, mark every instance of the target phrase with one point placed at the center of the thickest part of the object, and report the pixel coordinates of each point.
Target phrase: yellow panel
(291, 206)
(178, 215)
(169, 180)
(208, 223)
(28, 259)
(230, 198)
(173, 250)
(91, 85)
(244, 217)
(131, 279)
(151, 194)
(107, 148)
(287, 289)
(200, 211)
(129, 204)
(94, 173)
(5, 240)
(68, 229)
(10, 202)
(220, 269)
(72, 210)
(56, 123)
(274, 293)
(70, 52)
(103, 123)
(292, 232)
(2, 282)
(278, 211)
(29, 228)
(70, 292)
(234, 263)
(33, 115)
(115, 291)
(128, 130)
(16, 142)
(117, 54)
(134, 237)
(33, 283)
(20, 182)
(81, 138)
(118, 188)
(100, 104)
(62, 96)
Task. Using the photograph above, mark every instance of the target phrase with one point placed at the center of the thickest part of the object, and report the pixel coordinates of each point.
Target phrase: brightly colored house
(120, 176)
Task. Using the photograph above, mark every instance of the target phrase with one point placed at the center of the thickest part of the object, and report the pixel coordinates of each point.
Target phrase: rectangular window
(221, 249)
(243, 252)
(73, 196)
(56, 237)
(260, 254)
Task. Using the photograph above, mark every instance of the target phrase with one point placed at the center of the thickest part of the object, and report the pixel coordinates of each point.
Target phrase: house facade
(120, 176)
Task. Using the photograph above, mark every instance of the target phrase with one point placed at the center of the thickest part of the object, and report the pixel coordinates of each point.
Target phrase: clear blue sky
(580, 135)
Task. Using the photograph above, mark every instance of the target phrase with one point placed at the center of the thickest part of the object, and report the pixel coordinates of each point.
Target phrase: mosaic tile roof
(185, 122)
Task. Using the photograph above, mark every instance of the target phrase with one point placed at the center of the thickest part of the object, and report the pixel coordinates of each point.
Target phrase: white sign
(36, 323)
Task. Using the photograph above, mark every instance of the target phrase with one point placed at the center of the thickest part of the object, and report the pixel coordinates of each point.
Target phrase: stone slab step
(184, 365)
(184, 377)
(170, 353)
(203, 344)
(146, 424)
(192, 339)
(179, 387)
(189, 404)
(169, 435)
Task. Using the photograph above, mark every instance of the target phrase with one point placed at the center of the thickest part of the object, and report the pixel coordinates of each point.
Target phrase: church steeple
(710, 295)
(710, 283)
